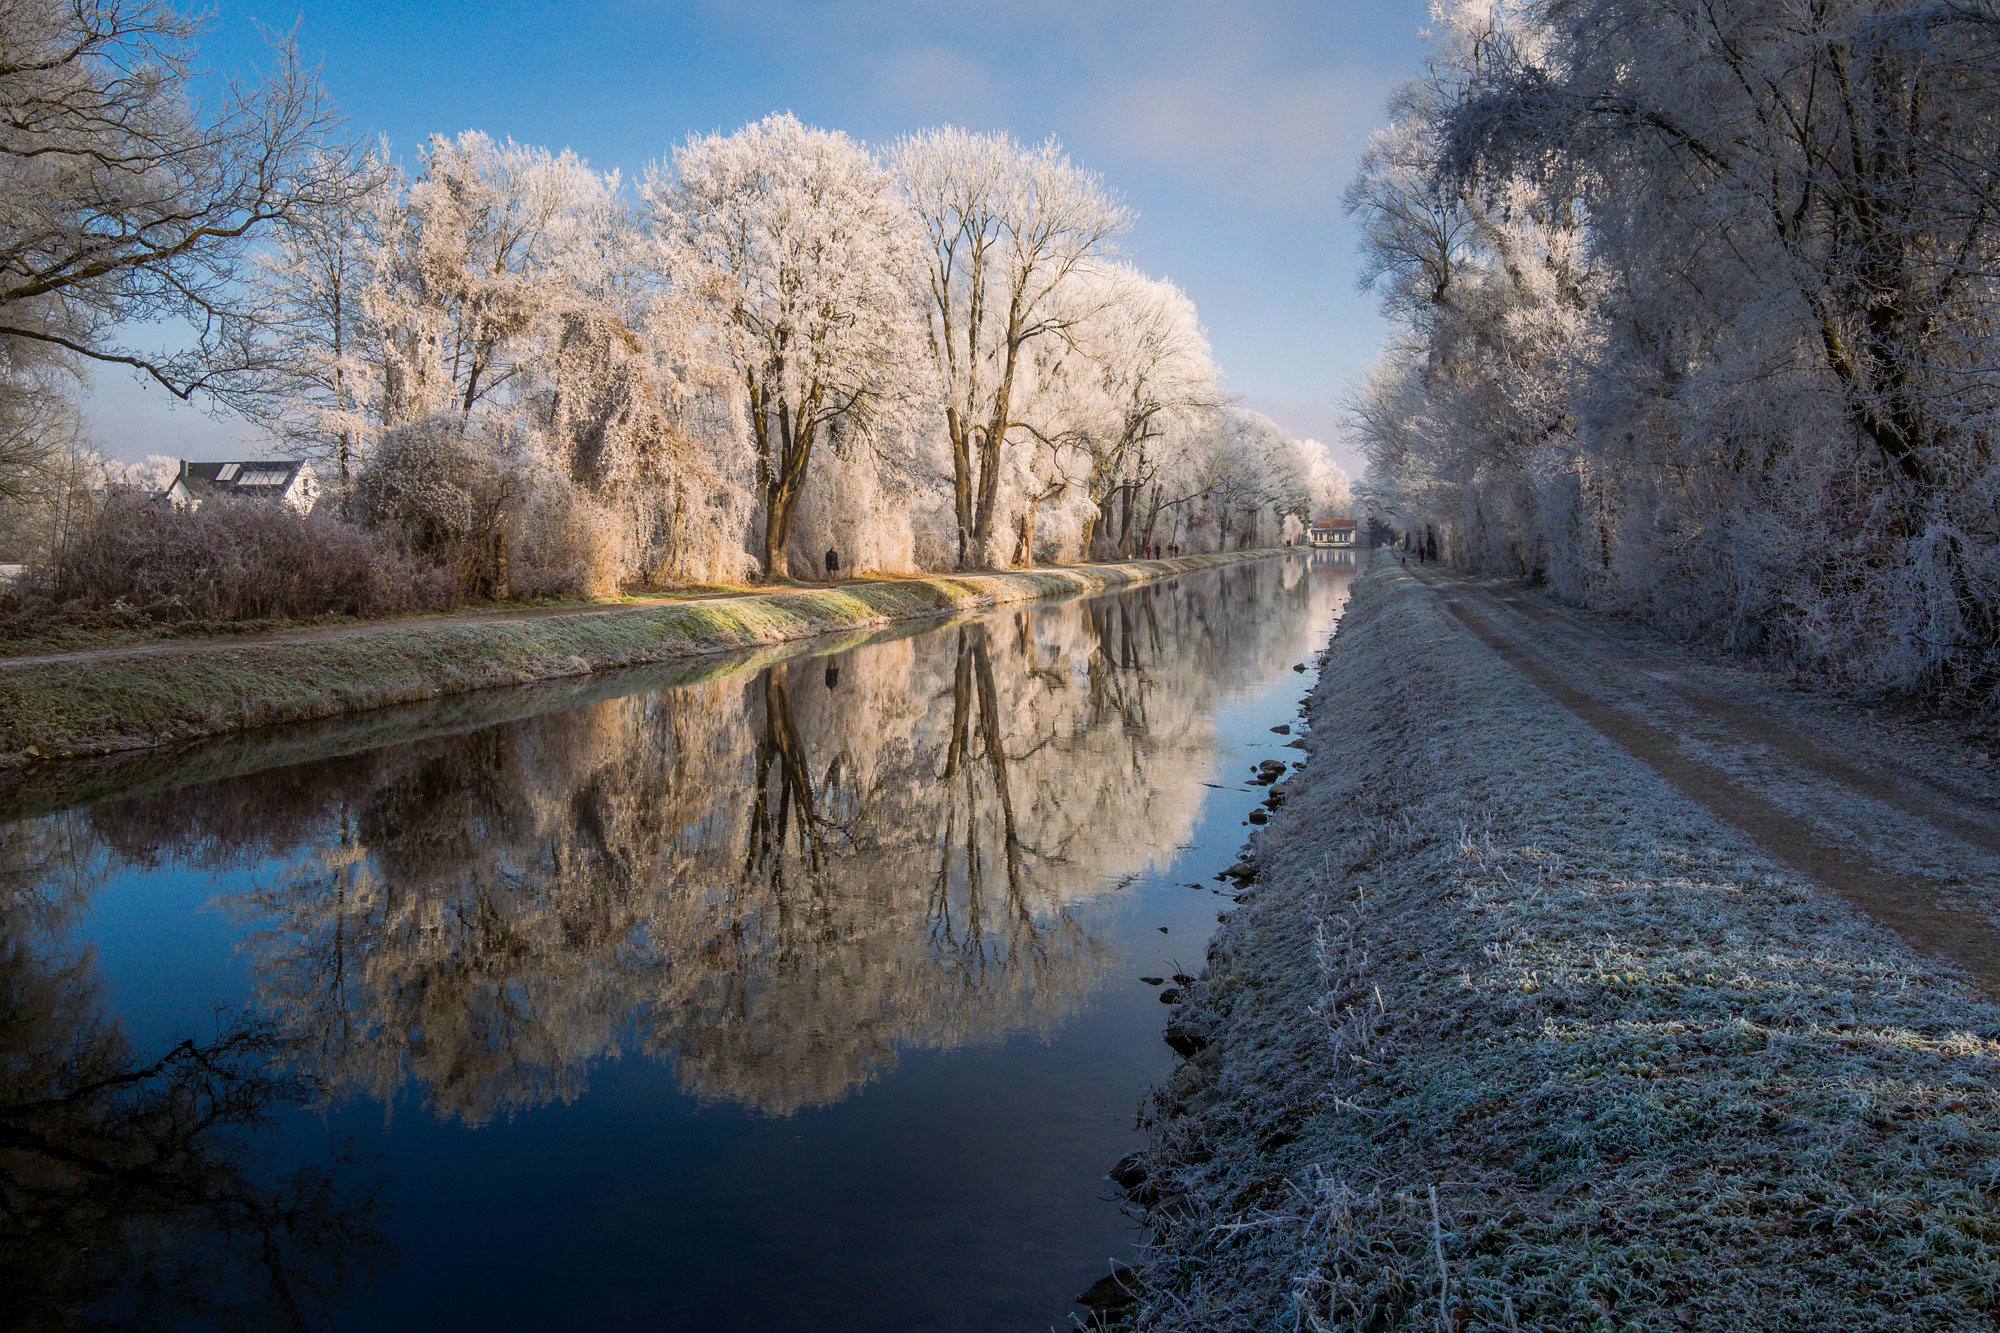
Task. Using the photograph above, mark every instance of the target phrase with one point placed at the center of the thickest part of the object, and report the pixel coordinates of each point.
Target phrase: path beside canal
(1587, 983)
(138, 696)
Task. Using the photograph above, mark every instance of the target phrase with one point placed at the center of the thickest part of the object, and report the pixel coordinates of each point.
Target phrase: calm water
(786, 993)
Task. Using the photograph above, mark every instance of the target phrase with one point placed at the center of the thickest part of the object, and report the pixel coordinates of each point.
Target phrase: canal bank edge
(1506, 1034)
(111, 705)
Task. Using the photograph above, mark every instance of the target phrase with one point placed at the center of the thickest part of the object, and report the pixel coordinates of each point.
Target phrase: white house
(1335, 533)
(288, 480)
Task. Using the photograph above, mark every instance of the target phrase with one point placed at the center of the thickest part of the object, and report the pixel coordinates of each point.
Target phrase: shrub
(242, 560)
(443, 497)
(564, 546)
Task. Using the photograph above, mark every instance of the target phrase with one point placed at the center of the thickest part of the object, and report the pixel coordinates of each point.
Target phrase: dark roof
(259, 477)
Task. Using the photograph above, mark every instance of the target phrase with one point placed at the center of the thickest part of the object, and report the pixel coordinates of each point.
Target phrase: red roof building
(1332, 532)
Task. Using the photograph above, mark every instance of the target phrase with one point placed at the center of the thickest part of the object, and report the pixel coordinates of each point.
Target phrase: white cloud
(1264, 103)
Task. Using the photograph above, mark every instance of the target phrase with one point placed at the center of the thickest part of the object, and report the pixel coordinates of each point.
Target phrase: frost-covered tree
(795, 244)
(319, 392)
(1697, 308)
(1253, 476)
(1327, 483)
(492, 240)
(780, 343)
(1005, 228)
(508, 289)
(1145, 377)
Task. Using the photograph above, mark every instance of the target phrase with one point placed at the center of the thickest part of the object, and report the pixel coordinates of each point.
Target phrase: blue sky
(1231, 128)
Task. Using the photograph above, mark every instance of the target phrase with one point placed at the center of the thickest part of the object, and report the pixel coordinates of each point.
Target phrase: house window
(227, 472)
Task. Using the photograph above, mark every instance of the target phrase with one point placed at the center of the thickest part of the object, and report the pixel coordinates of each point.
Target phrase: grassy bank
(1507, 1035)
(118, 703)
(42, 789)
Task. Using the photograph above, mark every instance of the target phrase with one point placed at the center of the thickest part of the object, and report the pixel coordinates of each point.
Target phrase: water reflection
(137, 1190)
(1333, 562)
(780, 880)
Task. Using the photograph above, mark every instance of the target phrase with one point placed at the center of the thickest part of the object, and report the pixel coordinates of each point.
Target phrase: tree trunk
(961, 479)
(345, 445)
(1152, 518)
(994, 437)
(777, 532)
(989, 495)
(785, 461)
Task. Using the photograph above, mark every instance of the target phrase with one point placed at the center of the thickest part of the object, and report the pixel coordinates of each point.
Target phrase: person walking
(832, 565)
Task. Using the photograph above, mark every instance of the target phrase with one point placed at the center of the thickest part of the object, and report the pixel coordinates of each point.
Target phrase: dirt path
(419, 624)
(1900, 820)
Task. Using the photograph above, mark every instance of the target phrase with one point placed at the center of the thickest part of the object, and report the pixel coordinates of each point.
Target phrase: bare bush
(241, 560)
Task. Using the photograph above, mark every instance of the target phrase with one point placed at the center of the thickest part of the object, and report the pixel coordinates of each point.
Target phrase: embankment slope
(1508, 1034)
(124, 702)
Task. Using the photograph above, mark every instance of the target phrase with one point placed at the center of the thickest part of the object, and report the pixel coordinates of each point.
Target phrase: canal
(807, 991)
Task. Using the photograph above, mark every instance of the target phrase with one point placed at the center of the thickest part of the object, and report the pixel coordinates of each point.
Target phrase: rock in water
(1259, 817)
(1111, 1296)
(1283, 728)
(1130, 1172)
(1188, 1038)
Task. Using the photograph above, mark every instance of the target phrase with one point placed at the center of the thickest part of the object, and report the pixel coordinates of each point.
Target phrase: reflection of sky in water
(161, 993)
(900, 913)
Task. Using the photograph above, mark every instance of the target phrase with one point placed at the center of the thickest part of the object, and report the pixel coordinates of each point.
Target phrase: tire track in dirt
(1903, 903)
(1918, 795)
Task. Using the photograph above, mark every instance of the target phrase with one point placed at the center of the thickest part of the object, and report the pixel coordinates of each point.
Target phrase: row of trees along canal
(518, 367)
(1697, 309)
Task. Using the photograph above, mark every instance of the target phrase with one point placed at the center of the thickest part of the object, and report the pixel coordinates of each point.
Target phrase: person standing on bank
(832, 565)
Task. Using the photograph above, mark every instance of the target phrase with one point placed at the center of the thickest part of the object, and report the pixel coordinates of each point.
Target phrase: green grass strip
(118, 703)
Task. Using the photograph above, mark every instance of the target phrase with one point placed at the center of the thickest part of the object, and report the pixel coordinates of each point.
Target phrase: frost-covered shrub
(445, 497)
(844, 507)
(236, 559)
(565, 546)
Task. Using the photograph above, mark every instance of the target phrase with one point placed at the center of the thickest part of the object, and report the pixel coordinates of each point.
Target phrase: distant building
(290, 481)
(1332, 533)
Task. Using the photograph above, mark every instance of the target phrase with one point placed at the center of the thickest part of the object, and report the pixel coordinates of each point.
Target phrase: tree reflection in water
(138, 1191)
(780, 880)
